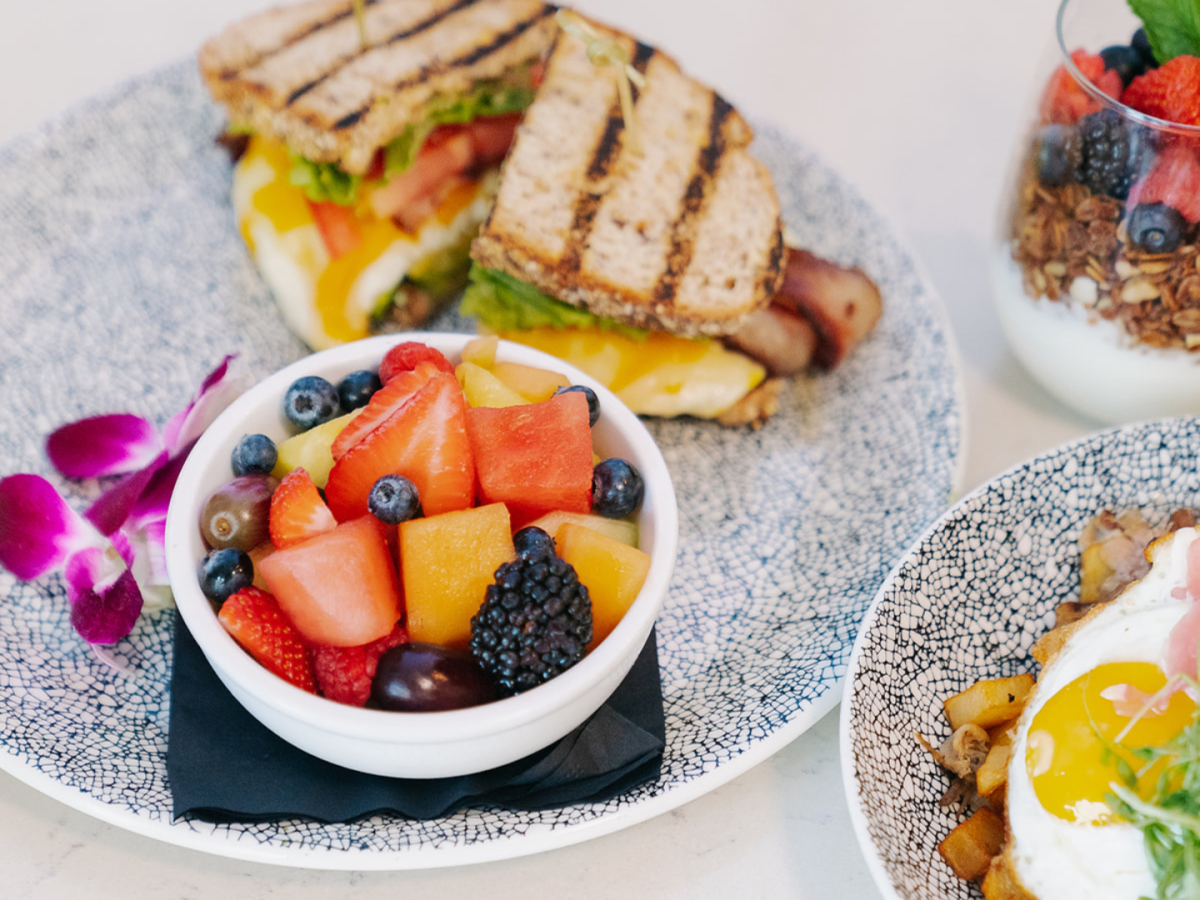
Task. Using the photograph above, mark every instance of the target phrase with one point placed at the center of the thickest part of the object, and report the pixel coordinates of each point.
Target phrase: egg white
(1060, 860)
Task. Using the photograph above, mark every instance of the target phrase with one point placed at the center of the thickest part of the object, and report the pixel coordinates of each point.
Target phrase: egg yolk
(1072, 747)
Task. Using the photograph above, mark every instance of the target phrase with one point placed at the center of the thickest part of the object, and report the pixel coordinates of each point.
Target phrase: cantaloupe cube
(482, 388)
(621, 530)
(532, 383)
(310, 450)
(612, 572)
(446, 564)
(481, 351)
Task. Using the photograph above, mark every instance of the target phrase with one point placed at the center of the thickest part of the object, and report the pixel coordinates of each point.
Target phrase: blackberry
(535, 623)
(1112, 154)
(1059, 154)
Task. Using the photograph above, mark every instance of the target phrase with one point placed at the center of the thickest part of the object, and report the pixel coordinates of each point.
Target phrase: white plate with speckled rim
(968, 602)
(117, 241)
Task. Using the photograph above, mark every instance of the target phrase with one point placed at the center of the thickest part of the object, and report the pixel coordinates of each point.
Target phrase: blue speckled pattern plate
(123, 281)
(968, 603)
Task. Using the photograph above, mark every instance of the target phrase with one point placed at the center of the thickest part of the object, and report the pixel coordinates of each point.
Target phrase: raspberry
(1174, 181)
(1170, 92)
(1065, 100)
(344, 674)
(405, 357)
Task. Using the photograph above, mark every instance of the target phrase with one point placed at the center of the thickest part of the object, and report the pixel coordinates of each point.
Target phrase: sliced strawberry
(1066, 100)
(393, 395)
(338, 226)
(425, 441)
(1171, 92)
(344, 674)
(1174, 180)
(255, 621)
(407, 356)
(297, 511)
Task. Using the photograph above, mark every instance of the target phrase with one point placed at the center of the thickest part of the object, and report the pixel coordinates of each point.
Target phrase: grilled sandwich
(368, 145)
(630, 247)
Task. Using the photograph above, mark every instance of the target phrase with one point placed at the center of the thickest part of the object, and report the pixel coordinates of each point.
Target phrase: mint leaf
(1173, 26)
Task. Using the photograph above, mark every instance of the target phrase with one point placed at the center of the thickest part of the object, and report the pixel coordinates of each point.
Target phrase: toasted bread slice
(300, 74)
(683, 237)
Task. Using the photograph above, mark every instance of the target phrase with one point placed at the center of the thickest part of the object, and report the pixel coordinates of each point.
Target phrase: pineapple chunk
(534, 384)
(311, 450)
(481, 351)
(482, 388)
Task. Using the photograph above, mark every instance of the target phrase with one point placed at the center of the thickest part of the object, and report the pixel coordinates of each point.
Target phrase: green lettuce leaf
(327, 181)
(504, 303)
(1173, 26)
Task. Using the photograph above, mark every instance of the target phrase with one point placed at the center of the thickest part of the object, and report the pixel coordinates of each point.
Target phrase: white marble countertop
(918, 103)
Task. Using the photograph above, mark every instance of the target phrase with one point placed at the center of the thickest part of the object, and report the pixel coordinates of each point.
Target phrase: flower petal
(216, 392)
(156, 498)
(38, 530)
(104, 616)
(103, 445)
(115, 505)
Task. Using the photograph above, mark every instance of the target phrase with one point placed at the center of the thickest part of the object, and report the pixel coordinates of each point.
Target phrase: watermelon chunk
(338, 588)
(534, 458)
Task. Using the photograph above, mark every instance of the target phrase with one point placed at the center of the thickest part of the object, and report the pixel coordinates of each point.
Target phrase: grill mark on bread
(466, 60)
(398, 36)
(602, 160)
(231, 74)
(684, 227)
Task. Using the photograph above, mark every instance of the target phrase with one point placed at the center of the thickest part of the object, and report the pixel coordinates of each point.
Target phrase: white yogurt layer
(1088, 362)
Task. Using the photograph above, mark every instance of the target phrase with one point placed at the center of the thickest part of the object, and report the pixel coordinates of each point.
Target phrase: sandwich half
(631, 248)
(368, 143)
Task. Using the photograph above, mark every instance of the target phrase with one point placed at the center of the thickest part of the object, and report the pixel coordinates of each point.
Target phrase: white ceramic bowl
(967, 602)
(416, 745)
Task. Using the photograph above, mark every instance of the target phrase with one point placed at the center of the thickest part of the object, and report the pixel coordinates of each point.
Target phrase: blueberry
(1125, 60)
(394, 499)
(1156, 227)
(1141, 43)
(225, 572)
(357, 388)
(310, 401)
(1059, 154)
(592, 399)
(617, 489)
(532, 543)
(255, 454)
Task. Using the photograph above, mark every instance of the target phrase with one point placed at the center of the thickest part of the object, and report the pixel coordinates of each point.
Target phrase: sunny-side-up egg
(1066, 842)
(331, 301)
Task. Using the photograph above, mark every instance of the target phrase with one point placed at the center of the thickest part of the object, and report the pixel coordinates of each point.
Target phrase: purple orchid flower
(112, 557)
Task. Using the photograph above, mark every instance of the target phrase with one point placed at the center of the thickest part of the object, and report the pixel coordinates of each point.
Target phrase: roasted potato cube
(994, 771)
(1000, 883)
(989, 702)
(969, 848)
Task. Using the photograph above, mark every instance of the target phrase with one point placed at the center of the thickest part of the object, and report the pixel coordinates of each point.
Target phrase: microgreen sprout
(606, 51)
(360, 17)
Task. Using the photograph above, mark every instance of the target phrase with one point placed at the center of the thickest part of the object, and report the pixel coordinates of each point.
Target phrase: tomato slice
(338, 226)
(492, 136)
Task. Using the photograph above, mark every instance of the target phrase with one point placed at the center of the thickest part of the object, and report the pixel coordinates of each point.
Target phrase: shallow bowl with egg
(425, 744)
(968, 602)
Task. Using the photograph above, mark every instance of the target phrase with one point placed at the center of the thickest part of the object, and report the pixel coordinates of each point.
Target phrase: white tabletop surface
(918, 103)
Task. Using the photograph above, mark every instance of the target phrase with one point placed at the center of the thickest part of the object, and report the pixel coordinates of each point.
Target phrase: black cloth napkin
(224, 766)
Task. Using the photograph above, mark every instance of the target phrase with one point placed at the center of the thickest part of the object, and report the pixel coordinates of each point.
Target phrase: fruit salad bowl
(417, 744)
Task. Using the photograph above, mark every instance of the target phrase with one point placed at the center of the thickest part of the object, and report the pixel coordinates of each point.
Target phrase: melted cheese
(662, 375)
(330, 301)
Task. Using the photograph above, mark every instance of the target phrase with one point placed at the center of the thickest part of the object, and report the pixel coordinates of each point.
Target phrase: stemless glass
(1095, 276)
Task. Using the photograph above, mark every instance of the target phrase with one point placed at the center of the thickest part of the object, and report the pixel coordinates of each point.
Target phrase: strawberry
(405, 357)
(1066, 100)
(297, 511)
(1170, 92)
(344, 674)
(1175, 181)
(393, 395)
(425, 441)
(255, 621)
